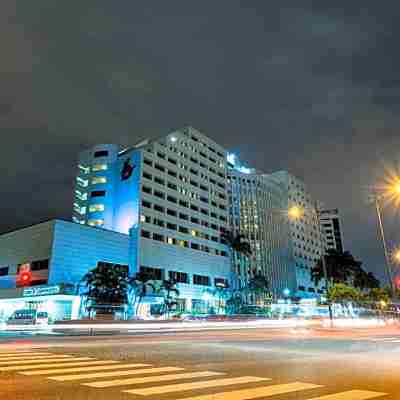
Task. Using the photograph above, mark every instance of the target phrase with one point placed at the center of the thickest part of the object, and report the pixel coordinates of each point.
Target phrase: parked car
(28, 317)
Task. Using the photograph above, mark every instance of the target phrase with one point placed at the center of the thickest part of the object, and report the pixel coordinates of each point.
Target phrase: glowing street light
(295, 212)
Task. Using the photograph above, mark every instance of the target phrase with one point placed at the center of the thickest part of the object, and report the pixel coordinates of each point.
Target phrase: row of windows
(182, 243)
(310, 289)
(183, 277)
(183, 191)
(181, 229)
(193, 171)
(197, 140)
(182, 203)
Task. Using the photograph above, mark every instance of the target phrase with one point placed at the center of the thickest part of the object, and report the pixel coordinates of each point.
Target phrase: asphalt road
(283, 364)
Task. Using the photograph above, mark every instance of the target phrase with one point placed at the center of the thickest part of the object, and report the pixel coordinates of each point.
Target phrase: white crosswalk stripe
(23, 354)
(35, 361)
(264, 391)
(116, 373)
(351, 395)
(152, 379)
(29, 357)
(116, 365)
(195, 385)
(71, 363)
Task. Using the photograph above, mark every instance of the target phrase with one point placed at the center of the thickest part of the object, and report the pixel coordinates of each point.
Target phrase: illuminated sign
(127, 170)
(41, 291)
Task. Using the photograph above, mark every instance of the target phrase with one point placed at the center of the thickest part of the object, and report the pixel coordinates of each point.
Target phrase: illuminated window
(81, 195)
(193, 232)
(83, 169)
(99, 179)
(99, 167)
(96, 222)
(82, 182)
(96, 207)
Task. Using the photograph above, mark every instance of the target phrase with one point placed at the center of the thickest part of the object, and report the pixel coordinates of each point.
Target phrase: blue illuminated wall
(127, 192)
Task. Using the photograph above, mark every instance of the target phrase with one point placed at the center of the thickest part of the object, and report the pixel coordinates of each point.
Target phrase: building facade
(332, 229)
(170, 196)
(305, 235)
(256, 202)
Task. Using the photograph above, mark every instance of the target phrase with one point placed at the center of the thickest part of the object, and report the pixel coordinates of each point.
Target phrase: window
(147, 176)
(155, 273)
(148, 162)
(99, 167)
(159, 194)
(146, 204)
(159, 167)
(172, 199)
(159, 208)
(146, 189)
(183, 203)
(96, 207)
(146, 234)
(100, 153)
(172, 160)
(99, 179)
(158, 222)
(4, 271)
(183, 229)
(184, 216)
(204, 211)
(39, 265)
(158, 237)
(194, 220)
(171, 240)
(179, 277)
(194, 207)
(194, 171)
(98, 193)
(201, 280)
(183, 243)
(159, 180)
(195, 246)
(172, 213)
(173, 227)
(145, 218)
(172, 173)
(194, 183)
(95, 222)
(172, 186)
(221, 282)
(161, 155)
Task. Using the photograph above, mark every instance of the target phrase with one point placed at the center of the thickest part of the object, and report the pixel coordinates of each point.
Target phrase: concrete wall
(78, 248)
(23, 246)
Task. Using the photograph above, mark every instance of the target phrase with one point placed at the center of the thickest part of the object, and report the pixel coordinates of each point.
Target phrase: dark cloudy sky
(308, 86)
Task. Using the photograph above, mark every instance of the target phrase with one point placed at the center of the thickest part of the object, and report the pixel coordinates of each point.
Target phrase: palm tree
(140, 285)
(258, 285)
(106, 286)
(365, 280)
(171, 292)
(237, 243)
(340, 267)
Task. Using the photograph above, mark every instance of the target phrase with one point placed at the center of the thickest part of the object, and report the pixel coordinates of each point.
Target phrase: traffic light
(25, 278)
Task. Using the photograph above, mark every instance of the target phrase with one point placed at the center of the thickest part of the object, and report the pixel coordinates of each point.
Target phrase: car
(42, 318)
(22, 317)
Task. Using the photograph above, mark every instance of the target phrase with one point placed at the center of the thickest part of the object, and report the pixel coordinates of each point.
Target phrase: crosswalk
(150, 381)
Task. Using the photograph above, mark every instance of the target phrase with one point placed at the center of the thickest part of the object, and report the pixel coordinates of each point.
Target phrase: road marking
(351, 395)
(100, 368)
(29, 357)
(264, 391)
(58, 365)
(195, 385)
(22, 354)
(117, 373)
(151, 379)
(36, 361)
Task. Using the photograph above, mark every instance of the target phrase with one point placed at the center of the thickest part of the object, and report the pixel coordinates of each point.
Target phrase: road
(276, 364)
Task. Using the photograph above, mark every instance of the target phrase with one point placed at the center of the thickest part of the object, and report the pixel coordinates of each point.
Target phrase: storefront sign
(41, 291)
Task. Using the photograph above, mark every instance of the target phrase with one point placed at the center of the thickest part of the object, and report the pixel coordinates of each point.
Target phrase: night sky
(299, 85)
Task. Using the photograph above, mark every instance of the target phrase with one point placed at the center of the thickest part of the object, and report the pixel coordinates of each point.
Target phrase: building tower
(331, 228)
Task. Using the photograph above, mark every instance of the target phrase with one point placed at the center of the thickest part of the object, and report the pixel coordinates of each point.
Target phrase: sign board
(41, 291)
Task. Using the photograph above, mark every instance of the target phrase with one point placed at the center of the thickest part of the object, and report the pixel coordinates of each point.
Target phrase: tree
(378, 294)
(340, 267)
(140, 284)
(237, 243)
(365, 280)
(171, 292)
(341, 293)
(258, 286)
(106, 285)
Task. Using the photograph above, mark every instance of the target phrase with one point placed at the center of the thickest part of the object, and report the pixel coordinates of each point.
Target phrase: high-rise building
(306, 238)
(331, 228)
(256, 202)
(170, 195)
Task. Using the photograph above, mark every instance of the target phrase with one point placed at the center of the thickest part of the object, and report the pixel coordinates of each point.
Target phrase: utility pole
(388, 268)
